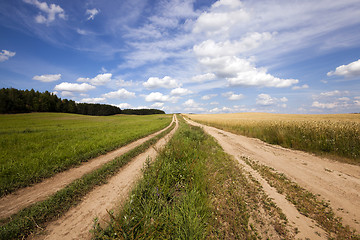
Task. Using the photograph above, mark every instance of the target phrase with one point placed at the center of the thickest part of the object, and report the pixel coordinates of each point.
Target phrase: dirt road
(336, 182)
(78, 221)
(22, 198)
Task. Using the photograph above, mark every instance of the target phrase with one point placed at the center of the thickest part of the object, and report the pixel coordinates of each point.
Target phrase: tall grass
(334, 135)
(37, 145)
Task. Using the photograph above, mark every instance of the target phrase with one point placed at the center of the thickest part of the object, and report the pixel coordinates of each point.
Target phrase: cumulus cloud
(158, 97)
(73, 87)
(119, 94)
(350, 70)
(266, 100)
(5, 55)
(100, 79)
(203, 77)
(210, 48)
(124, 105)
(157, 105)
(165, 82)
(232, 96)
(221, 17)
(305, 86)
(333, 93)
(190, 103)
(192, 106)
(324, 105)
(208, 97)
(180, 92)
(220, 110)
(92, 13)
(240, 72)
(93, 100)
(51, 11)
(47, 77)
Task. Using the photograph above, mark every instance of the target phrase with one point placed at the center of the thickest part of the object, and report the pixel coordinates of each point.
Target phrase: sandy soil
(337, 183)
(78, 221)
(22, 198)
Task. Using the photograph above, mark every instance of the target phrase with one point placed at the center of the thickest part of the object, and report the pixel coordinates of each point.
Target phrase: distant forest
(19, 101)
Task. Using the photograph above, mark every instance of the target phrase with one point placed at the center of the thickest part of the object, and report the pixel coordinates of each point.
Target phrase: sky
(188, 56)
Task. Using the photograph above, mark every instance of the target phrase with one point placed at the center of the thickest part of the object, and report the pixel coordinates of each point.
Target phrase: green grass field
(37, 145)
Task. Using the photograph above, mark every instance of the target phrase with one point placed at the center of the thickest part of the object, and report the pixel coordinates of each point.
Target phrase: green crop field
(37, 145)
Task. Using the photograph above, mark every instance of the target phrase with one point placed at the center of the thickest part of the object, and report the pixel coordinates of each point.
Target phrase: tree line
(23, 101)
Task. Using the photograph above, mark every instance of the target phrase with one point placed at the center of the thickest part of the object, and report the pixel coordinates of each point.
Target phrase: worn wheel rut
(22, 198)
(336, 182)
(78, 221)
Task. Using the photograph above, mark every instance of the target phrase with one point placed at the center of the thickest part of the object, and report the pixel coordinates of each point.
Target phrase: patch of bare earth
(78, 221)
(337, 183)
(22, 198)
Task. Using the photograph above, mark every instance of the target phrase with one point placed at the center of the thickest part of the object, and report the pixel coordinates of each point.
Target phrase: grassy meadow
(37, 145)
(335, 135)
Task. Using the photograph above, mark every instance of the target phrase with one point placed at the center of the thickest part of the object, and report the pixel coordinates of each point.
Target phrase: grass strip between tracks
(34, 217)
(193, 190)
(306, 202)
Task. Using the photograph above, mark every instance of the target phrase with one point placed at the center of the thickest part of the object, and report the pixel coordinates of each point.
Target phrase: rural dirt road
(78, 221)
(338, 183)
(22, 198)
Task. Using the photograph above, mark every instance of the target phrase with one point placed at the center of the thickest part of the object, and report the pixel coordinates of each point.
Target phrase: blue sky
(185, 55)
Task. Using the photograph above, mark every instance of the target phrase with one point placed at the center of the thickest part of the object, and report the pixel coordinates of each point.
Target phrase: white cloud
(240, 72)
(324, 105)
(82, 31)
(350, 70)
(344, 99)
(232, 96)
(124, 106)
(47, 77)
(119, 94)
(93, 100)
(159, 97)
(208, 97)
(157, 105)
(192, 106)
(221, 110)
(305, 86)
(100, 79)
(203, 77)
(165, 82)
(73, 87)
(266, 100)
(251, 41)
(122, 83)
(5, 55)
(357, 103)
(50, 10)
(190, 103)
(222, 16)
(180, 92)
(67, 94)
(333, 93)
(92, 13)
